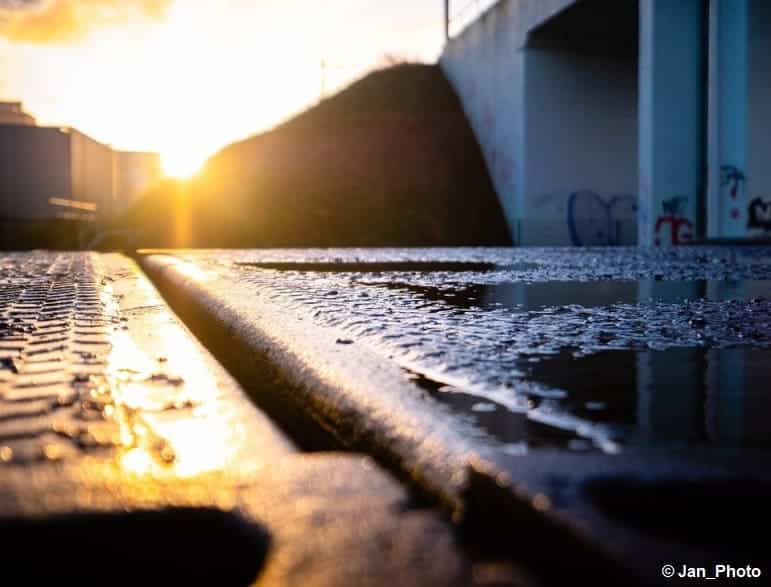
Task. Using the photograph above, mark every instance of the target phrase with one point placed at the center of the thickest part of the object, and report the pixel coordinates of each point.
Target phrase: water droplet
(541, 502)
(483, 407)
(52, 452)
(167, 455)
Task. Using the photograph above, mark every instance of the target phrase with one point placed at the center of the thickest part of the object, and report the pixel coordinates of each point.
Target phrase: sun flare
(182, 163)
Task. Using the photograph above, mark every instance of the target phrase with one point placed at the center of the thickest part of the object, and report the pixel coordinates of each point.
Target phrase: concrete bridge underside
(618, 122)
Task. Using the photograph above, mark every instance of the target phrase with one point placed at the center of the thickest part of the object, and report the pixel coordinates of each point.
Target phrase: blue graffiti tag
(595, 229)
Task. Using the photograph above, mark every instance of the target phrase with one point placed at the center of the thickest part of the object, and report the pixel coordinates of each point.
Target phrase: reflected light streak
(183, 215)
(190, 270)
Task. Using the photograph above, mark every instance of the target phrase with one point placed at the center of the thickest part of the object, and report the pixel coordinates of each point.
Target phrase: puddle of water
(514, 429)
(372, 266)
(686, 396)
(523, 297)
(676, 397)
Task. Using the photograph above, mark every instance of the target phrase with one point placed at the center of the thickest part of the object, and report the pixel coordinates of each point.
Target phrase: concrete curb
(581, 507)
(369, 405)
(365, 403)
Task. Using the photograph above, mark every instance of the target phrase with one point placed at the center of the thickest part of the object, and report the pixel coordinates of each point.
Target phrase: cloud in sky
(66, 21)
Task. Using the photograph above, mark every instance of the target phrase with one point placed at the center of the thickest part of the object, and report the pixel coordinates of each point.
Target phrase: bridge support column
(671, 118)
(728, 85)
(757, 220)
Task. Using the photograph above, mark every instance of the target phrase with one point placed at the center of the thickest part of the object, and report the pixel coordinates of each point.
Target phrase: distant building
(48, 173)
(12, 113)
(615, 122)
(53, 173)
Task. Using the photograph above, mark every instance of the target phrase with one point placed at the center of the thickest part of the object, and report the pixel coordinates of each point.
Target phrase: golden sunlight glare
(182, 163)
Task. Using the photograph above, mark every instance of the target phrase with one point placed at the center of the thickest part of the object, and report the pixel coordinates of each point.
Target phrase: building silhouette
(61, 173)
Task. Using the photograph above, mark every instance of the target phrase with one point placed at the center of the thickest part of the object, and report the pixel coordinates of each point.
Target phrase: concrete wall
(580, 151)
(486, 65)
(759, 120)
(557, 124)
(596, 113)
(34, 167)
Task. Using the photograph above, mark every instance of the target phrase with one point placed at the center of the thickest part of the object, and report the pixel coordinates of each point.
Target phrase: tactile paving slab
(93, 365)
(129, 455)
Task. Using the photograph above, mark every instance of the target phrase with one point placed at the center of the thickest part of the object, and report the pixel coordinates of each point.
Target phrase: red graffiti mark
(735, 214)
(681, 229)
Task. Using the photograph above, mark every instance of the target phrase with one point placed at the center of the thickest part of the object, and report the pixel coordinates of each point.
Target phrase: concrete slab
(128, 454)
(427, 359)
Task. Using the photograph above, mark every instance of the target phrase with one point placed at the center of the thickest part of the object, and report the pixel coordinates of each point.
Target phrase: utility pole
(446, 20)
(323, 79)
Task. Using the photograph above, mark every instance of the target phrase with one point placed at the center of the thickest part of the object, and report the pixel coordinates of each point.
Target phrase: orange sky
(186, 77)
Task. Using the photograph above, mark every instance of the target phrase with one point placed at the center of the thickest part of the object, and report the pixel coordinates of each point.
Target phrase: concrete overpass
(622, 121)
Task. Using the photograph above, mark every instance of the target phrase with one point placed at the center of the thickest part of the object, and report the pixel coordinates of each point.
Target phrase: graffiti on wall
(594, 220)
(591, 219)
(673, 216)
(732, 181)
(759, 215)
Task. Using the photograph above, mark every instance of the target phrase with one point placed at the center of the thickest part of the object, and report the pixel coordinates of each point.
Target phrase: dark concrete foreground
(586, 405)
(128, 456)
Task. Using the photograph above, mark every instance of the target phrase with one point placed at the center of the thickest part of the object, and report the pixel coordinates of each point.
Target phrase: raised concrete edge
(367, 403)
(370, 406)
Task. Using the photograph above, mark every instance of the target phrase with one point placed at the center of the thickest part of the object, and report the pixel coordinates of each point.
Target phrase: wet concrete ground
(577, 350)
(588, 405)
(129, 456)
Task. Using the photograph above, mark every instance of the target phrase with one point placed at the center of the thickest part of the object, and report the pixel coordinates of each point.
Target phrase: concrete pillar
(727, 143)
(758, 214)
(671, 120)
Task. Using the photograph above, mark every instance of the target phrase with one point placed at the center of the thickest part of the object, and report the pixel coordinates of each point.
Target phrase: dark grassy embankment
(391, 160)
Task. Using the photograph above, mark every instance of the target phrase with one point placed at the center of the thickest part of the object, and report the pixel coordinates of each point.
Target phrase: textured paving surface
(128, 452)
(93, 364)
(439, 359)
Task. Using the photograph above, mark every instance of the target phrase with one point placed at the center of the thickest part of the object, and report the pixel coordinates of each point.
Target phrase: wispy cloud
(66, 21)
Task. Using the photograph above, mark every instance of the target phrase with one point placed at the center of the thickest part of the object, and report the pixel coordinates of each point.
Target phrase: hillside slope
(389, 161)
